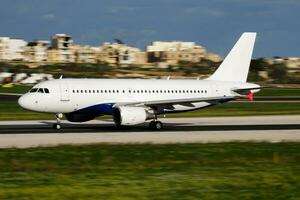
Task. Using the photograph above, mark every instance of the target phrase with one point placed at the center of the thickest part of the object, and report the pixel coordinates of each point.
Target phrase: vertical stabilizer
(235, 66)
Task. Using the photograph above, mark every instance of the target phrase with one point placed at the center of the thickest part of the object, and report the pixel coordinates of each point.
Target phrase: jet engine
(130, 115)
(79, 117)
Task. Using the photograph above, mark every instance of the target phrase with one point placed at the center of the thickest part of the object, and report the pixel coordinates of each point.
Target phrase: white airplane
(134, 101)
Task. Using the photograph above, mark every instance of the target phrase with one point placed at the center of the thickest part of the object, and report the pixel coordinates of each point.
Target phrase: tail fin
(235, 66)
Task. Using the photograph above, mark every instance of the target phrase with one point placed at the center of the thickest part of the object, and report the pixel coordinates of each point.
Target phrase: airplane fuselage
(100, 95)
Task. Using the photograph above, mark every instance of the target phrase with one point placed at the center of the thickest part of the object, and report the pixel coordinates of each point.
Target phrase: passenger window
(41, 90)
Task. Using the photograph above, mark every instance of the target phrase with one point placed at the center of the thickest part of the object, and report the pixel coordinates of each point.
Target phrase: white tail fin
(235, 66)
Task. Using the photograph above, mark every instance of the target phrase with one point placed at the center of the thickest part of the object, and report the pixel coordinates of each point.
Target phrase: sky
(214, 24)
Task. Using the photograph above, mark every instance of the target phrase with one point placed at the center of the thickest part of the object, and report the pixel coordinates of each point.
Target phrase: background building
(63, 43)
(175, 52)
(36, 51)
(85, 54)
(120, 54)
(12, 49)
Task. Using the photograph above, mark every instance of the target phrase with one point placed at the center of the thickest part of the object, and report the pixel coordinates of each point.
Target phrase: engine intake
(130, 115)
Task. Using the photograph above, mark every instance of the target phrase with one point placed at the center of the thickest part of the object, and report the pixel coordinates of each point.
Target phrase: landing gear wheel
(155, 125)
(57, 126)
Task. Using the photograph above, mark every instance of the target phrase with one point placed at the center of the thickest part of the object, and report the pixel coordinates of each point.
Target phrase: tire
(155, 125)
(152, 125)
(158, 125)
(57, 126)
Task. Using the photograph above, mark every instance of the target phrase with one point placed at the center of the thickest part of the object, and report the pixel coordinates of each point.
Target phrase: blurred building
(85, 54)
(36, 51)
(175, 52)
(120, 54)
(12, 49)
(289, 62)
(63, 44)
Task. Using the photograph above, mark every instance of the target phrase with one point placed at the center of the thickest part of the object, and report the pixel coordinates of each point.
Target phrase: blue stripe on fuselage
(99, 109)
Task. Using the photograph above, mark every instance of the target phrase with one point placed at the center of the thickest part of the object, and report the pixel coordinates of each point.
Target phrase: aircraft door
(64, 91)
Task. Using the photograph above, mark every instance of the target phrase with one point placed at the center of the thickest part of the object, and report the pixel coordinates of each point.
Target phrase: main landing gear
(156, 125)
(57, 125)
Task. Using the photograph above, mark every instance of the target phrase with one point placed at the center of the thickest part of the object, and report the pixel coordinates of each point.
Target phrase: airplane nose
(24, 103)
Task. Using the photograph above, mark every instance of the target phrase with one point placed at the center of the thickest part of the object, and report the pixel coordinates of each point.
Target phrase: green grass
(10, 110)
(18, 89)
(245, 109)
(279, 92)
(186, 171)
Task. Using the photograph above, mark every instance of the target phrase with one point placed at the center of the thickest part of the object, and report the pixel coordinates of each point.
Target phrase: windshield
(39, 90)
(33, 90)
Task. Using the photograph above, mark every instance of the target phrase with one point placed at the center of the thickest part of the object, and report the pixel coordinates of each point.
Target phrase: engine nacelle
(79, 117)
(130, 115)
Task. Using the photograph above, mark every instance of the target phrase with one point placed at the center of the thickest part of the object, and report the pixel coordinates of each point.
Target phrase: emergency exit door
(64, 92)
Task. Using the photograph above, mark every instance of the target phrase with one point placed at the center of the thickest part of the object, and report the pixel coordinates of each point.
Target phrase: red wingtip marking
(250, 96)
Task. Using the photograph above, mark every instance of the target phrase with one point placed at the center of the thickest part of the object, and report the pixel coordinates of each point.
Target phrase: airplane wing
(183, 101)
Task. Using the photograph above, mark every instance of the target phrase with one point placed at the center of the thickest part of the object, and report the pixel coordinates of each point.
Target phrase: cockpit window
(33, 90)
(39, 90)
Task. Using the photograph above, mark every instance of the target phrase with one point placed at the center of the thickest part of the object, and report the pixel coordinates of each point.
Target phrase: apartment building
(85, 54)
(121, 54)
(63, 44)
(11, 48)
(36, 51)
(175, 52)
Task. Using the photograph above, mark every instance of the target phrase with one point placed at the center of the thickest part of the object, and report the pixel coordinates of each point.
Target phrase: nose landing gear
(57, 125)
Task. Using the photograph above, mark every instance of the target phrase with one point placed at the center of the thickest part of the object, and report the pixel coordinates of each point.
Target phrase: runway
(23, 134)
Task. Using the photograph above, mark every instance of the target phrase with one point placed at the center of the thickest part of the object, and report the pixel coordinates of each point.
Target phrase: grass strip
(178, 171)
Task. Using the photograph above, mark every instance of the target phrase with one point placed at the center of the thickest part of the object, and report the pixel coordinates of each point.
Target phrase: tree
(278, 72)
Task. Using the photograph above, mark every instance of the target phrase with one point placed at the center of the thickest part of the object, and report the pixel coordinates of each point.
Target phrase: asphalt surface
(23, 134)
